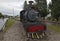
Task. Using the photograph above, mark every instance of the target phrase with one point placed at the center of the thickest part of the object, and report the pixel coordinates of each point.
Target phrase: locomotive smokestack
(30, 2)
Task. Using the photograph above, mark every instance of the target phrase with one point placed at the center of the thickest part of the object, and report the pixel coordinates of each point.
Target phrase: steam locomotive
(34, 30)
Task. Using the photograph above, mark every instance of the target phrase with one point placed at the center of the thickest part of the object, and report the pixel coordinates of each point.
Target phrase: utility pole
(13, 12)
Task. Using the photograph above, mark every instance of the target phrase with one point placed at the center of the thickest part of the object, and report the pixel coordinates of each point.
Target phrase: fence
(2, 23)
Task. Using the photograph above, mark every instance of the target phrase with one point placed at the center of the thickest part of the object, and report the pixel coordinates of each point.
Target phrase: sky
(8, 7)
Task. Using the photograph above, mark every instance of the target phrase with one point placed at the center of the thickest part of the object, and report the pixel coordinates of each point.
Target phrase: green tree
(1, 15)
(25, 5)
(42, 6)
(55, 7)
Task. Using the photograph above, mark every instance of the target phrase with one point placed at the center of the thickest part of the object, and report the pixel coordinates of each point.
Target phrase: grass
(8, 24)
(55, 28)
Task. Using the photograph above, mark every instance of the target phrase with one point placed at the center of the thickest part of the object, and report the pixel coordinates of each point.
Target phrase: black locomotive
(33, 29)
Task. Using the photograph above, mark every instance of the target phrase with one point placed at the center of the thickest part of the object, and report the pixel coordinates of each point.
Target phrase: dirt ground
(17, 33)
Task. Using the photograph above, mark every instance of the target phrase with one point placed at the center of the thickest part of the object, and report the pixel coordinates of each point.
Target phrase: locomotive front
(34, 30)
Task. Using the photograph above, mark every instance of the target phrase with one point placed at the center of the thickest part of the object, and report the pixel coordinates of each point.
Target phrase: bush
(1, 15)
